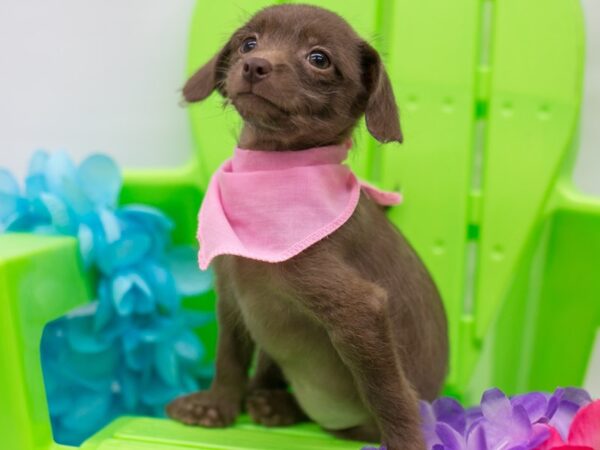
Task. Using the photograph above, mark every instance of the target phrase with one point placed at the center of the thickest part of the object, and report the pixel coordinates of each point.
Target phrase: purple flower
(505, 425)
(500, 423)
(443, 424)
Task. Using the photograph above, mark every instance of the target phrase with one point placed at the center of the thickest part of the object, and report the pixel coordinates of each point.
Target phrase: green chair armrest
(40, 280)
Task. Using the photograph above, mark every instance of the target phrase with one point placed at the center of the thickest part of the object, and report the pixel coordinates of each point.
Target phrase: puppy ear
(208, 78)
(381, 112)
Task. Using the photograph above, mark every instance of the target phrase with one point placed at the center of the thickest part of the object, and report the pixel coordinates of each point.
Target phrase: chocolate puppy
(353, 324)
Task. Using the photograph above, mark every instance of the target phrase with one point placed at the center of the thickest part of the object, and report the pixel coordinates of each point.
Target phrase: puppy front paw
(205, 408)
(274, 408)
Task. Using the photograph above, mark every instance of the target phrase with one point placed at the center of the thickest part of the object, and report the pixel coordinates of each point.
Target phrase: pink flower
(584, 433)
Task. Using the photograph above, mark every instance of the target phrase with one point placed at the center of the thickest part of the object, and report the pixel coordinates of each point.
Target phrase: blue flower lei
(132, 349)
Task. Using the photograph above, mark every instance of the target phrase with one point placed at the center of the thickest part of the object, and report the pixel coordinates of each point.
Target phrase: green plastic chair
(490, 93)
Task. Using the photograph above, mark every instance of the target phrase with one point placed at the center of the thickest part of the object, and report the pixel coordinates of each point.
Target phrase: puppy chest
(278, 326)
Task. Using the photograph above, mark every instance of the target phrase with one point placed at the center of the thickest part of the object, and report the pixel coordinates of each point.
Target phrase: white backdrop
(97, 75)
(104, 75)
(587, 171)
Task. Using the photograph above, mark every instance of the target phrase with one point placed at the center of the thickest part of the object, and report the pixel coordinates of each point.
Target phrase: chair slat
(432, 64)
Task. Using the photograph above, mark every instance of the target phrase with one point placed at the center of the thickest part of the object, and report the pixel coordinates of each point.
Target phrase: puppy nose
(256, 69)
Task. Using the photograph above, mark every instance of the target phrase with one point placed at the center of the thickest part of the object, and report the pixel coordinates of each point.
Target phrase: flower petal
(520, 422)
(35, 182)
(451, 412)
(189, 279)
(131, 292)
(585, 429)
(577, 396)
(563, 417)
(188, 347)
(540, 434)
(495, 406)
(85, 236)
(535, 403)
(62, 181)
(130, 389)
(554, 440)
(139, 358)
(553, 403)
(82, 338)
(131, 247)
(449, 437)
(163, 286)
(60, 216)
(155, 224)
(166, 363)
(104, 311)
(8, 183)
(9, 194)
(473, 416)
(428, 419)
(476, 439)
(38, 162)
(110, 225)
(100, 180)
(151, 218)
(121, 286)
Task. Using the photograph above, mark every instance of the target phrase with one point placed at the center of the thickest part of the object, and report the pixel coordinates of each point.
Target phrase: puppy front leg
(221, 403)
(354, 313)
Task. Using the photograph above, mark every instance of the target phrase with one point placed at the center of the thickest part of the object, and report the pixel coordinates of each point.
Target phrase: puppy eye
(319, 59)
(248, 45)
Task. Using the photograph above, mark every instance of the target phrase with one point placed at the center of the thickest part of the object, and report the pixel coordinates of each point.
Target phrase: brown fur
(354, 324)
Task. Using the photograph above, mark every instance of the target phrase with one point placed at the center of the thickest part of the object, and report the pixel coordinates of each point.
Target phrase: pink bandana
(270, 206)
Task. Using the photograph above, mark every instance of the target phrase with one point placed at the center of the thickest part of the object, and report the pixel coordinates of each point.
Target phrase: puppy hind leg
(267, 374)
(268, 401)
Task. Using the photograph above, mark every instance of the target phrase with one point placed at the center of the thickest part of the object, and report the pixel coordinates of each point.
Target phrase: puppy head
(301, 72)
